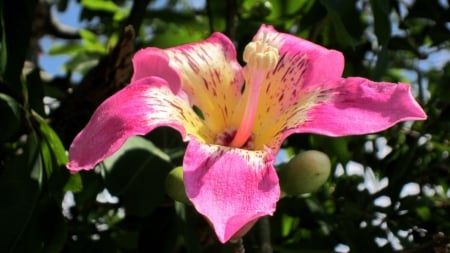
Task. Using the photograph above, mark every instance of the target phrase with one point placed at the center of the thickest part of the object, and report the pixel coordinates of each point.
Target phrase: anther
(261, 55)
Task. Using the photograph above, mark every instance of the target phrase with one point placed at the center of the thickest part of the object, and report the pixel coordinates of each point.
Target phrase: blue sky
(53, 64)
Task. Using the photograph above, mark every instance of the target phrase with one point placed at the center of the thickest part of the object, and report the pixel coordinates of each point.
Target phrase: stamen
(260, 58)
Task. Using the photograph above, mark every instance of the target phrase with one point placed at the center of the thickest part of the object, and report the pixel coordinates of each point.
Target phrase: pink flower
(291, 86)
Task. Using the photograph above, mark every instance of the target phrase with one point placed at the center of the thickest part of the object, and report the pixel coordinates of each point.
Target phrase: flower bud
(175, 185)
(305, 173)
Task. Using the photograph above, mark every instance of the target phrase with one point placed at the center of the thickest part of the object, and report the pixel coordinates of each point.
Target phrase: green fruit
(175, 185)
(305, 173)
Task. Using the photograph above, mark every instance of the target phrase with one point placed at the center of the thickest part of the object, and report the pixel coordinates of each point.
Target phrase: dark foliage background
(388, 192)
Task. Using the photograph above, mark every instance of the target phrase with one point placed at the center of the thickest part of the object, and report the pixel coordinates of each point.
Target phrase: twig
(210, 16)
(264, 234)
(239, 248)
(137, 14)
(110, 75)
(231, 19)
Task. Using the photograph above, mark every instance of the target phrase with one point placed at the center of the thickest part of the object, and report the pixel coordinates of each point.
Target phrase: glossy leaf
(99, 5)
(15, 38)
(20, 185)
(136, 174)
(12, 113)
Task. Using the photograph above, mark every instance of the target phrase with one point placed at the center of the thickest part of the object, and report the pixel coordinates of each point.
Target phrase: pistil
(260, 58)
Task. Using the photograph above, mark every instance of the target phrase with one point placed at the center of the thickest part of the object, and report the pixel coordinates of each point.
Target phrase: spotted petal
(135, 110)
(289, 90)
(230, 187)
(302, 64)
(207, 71)
(305, 93)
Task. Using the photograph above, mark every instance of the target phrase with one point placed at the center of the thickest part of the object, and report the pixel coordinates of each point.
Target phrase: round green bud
(175, 185)
(305, 172)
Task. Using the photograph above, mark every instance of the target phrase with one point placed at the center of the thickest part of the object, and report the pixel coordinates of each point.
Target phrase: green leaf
(20, 184)
(53, 151)
(136, 174)
(82, 62)
(100, 5)
(35, 91)
(382, 25)
(47, 158)
(55, 145)
(16, 28)
(120, 15)
(423, 212)
(69, 48)
(381, 65)
(74, 184)
(10, 111)
(169, 34)
(53, 229)
(335, 147)
(91, 42)
(336, 12)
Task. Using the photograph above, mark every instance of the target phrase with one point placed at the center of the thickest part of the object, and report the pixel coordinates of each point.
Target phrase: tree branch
(231, 19)
(264, 234)
(110, 75)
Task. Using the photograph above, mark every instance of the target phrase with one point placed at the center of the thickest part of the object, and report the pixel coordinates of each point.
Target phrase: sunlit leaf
(91, 42)
(55, 145)
(100, 5)
(74, 184)
(70, 48)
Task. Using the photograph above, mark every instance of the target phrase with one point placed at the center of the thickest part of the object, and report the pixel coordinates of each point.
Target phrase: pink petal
(211, 77)
(301, 66)
(305, 93)
(322, 63)
(231, 187)
(135, 110)
(360, 106)
(155, 62)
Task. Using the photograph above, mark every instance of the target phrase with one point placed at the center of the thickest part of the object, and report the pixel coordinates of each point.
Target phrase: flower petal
(301, 66)
(153, 61)
(135, 110)
(319, 63)
(348, 106)
(211, 77)
(274, 130)
(305, 93)
(361, 106)
(231, 187)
